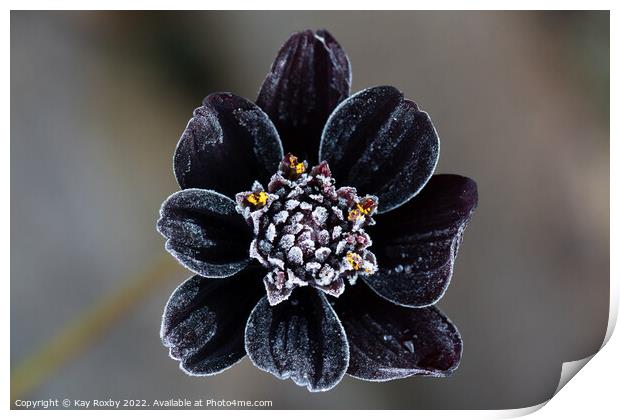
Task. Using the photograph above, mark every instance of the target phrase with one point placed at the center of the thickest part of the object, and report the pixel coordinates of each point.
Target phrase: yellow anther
(258, 199)
(354, 260)
(366, 206)
(296, 167)
(354, 215)
(361, 209)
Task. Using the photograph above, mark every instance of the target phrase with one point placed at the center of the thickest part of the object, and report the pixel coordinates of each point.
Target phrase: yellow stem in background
(76, 336)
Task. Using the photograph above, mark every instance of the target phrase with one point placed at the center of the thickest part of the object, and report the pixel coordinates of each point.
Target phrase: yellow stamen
(296, 167)
(354, 215)
(361, 209)
(354, 260)
(367, 206)
(258, 199)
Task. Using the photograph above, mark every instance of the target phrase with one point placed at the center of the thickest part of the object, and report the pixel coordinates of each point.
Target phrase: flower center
(307, 232)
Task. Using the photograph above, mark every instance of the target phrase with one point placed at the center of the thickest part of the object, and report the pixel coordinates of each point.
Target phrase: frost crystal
(271, 232)
(308, 232)
(291, 204)
(320, 215)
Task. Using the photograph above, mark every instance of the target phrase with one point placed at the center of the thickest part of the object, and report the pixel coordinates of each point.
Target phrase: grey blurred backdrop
(521, 103)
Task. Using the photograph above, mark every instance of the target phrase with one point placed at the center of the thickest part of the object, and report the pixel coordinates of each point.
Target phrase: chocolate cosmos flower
(313, 272)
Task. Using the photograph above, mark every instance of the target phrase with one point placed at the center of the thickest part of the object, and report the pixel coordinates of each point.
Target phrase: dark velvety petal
(309, 77)
(416, 244)
(227, 145)
(388, 341)
(300, 338)
(382, 144)
(205, 233)
(204, 321)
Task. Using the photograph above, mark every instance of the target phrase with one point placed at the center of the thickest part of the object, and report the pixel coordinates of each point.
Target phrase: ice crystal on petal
(271, 232)
(295, 255)
(280, 217)
(319, 215)
(322, 253)
(291, 204)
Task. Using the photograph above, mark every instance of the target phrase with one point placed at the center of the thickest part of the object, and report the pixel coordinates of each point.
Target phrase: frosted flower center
(307, 232)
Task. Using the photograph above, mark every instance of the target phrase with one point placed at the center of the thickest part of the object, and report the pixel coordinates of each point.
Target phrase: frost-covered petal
(416, 245)
(388, 341)
(204, 321)
(382, 144)
(300, 338)
(227, 145)
(204, 232)
(309, 77)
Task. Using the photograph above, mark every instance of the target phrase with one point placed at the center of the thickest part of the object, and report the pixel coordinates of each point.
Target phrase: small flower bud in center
(307, 232)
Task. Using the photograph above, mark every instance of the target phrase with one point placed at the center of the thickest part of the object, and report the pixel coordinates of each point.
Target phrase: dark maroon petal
(309, 77)
(388, 341)
(382, 144)
(205, 232)
(300, 338)
(416, 244)
(227, 145)
(204, 321)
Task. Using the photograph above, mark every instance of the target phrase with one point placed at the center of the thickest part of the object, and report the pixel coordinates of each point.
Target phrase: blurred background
(99, 100)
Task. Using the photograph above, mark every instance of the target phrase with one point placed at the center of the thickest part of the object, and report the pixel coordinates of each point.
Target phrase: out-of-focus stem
(77, 335)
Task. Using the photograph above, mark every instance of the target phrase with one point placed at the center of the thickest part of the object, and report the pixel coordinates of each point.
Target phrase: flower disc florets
(307, 232)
